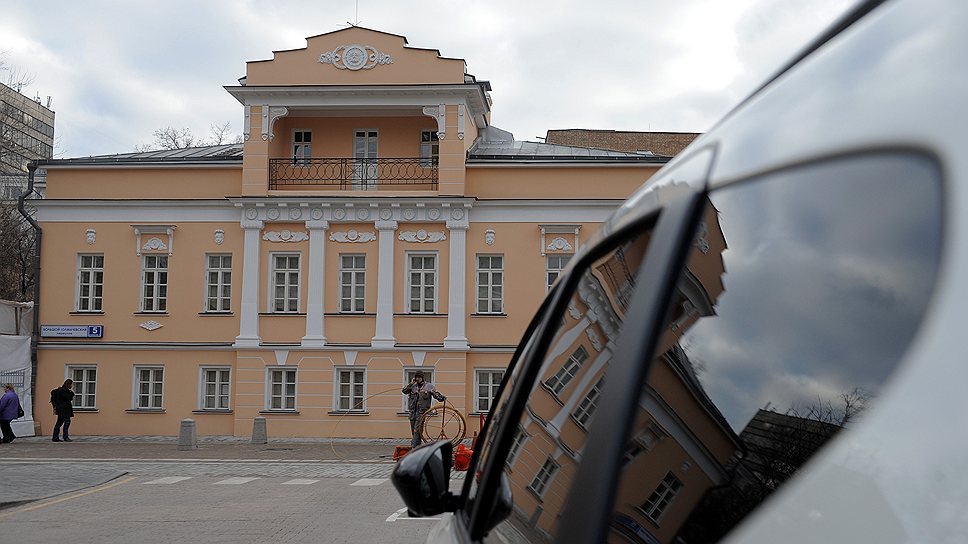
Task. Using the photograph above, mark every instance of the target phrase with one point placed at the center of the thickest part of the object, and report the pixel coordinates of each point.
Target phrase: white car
(766, 343)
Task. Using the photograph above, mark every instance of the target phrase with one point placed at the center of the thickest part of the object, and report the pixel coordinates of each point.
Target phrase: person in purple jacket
(9, 405)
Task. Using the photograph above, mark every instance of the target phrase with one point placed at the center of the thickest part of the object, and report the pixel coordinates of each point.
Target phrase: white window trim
(406, 293)
(268, 389)
(336, 384)
(300, 161)
(477, 389)
(201, 387)
(548, 269)
(69, 374)
(353, 291)
(429, 372)
(588, 411)
(77, 284)
(546, 483)
(477, 283)
(513, 453)
(652, 514)
(205, 284)
(134, 388)
(562, 372)
(271, 302)
(427, 162)
(142, 284)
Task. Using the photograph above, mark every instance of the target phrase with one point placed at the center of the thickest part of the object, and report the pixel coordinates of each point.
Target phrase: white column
(384, 297)
(457, 286)
(315, 337)
(249, 312)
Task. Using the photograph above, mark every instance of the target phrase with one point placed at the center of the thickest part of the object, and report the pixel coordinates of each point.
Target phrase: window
(586, 409)
(657, 502)
(520, 437)
(541, 480)
(285, 283)
(421, 283)
(408, 377)
(429, 148)
(302, 146)
(85, 385)
(282, 389)
(352, 282)
(90, 283)
(218, 283)
(568, 371)
(490, 284)
(350, 394)
(486, 384)
(149, 385)
(555, 264)
(647, 439)
(215, 388)
(154, 284)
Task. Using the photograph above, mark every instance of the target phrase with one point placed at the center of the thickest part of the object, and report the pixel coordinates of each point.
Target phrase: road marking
(369, 481)
(401, 515)
(235, 481)
(300, 481)
(67, 498)
(169, 480)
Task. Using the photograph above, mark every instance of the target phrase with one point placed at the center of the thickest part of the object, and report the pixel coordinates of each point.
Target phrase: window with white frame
(154, 283)
(554, 265)
(90, 283)
(149, 387)
(568, 371)
(215, 388)
(421, 283)
(542, 480)
(350, 387)
(285, 283)
(282, 389)
(85, 385)
(486, 384)
(352, 281)
(586, 408)
(302, 146)
(429, 148)
(490, 284)
(520, 437)
(218, 283)
(644, 441)
(659, 500)
(408, 374)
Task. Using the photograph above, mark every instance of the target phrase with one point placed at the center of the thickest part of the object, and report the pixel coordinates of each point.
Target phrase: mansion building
(372, 224)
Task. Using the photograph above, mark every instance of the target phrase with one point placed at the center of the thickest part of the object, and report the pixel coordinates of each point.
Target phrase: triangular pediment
(356, 56)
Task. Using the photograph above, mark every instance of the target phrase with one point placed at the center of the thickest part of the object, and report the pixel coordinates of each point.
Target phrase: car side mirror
(422, 478)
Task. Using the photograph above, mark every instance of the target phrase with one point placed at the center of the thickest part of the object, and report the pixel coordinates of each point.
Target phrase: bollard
(186, 435)
(259, 431)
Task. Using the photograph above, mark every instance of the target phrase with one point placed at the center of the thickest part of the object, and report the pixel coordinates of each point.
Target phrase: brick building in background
(666, 144)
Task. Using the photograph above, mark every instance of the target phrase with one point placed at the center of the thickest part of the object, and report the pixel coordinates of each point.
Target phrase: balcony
(347, 174)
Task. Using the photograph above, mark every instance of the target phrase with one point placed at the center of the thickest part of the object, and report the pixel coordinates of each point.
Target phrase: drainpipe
(35, 334)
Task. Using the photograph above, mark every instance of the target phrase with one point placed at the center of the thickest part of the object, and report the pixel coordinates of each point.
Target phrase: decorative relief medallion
(409, 214)
(386, 214)
(560, 244)
(489, 237)
(90, 236)
(422, 236)
(433, 214)
(355, 57)
(272, 213)
(596, 341)
(285, 236)
(151, 325)
(352, 236)
(295, 213)
(457, 213)
(154, 244)
(339, 213)
(573, 311)
(362, 213)
(219, 237)
(317, 214)
(251, 213)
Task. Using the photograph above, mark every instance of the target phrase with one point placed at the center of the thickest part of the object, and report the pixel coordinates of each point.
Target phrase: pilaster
(384, 300)
(457, 281)
(249, 307)
(315, 336)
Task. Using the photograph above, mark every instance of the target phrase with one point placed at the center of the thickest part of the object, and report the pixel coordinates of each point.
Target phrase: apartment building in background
(372, 224)
(26, 134)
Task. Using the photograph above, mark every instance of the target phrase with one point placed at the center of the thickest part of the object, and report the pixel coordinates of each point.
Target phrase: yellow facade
(372, 223)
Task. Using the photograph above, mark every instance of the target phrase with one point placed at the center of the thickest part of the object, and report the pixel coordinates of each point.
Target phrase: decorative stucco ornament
(285, 236)
(219, 237)
(90, 236)
(355, 57)
(573, 311)
(560, 244)
(251, 213)
(489, 237)
(422, 236)
(295, 213)
(362, 213)
(154, 244)
(151, 325)
(701, 242)
(409, 213)
(386, 214)
(272, 213)
(433, 214)
(339, 213)
(457, 213)
(595, 340)
(317, 214)
(352, 236)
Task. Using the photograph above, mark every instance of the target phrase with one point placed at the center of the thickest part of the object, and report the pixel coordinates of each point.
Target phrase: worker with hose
(419, 394)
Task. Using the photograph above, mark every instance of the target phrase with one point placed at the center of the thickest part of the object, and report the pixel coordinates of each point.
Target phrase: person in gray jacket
(9, 405)
(419, 394)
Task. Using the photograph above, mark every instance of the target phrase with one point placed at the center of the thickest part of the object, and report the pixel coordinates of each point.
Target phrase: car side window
(801, 294)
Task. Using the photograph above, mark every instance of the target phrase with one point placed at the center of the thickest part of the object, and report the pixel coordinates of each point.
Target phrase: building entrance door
(364, 160)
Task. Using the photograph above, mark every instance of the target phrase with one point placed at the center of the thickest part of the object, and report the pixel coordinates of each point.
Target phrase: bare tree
(16, 78)
(172, 138)
(16, 255)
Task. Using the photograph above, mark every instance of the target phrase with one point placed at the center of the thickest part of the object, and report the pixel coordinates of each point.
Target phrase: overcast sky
(116, 71)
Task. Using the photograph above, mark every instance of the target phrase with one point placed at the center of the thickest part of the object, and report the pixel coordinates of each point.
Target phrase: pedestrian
(63, 400)
(9, 411)
(419, 394)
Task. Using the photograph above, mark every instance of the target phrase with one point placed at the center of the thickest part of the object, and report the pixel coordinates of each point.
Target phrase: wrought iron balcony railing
(353, 174)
